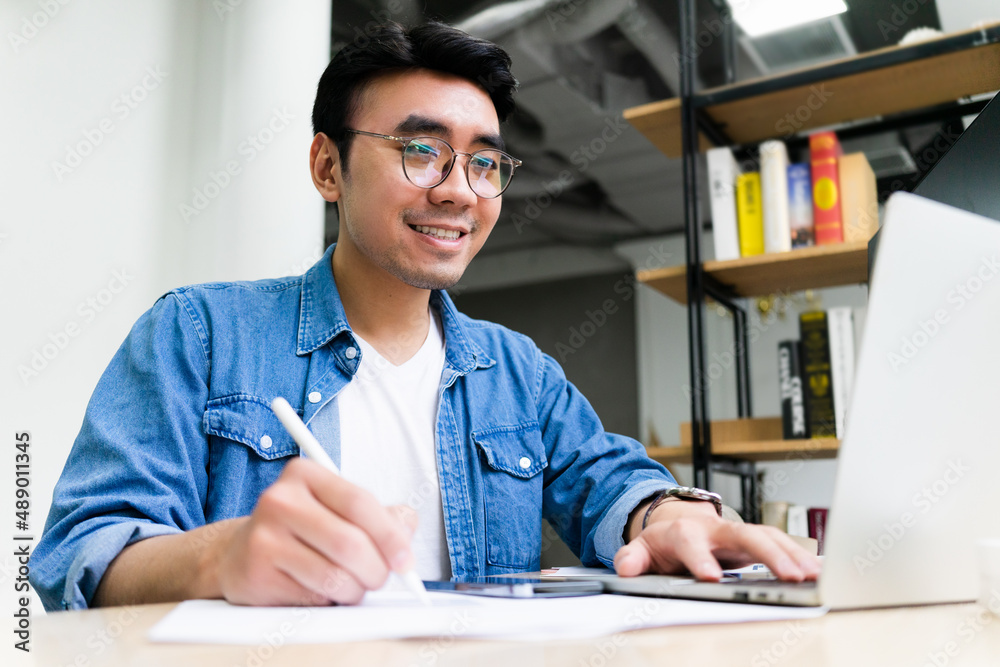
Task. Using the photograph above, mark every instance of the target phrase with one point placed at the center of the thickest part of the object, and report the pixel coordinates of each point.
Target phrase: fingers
(681, 544)
(698, 544)
(694, 549)
(314, 574)
(807, 561)
(360, 508)
(767, 545)
(405, 515)
(331, 539)
(314, 538)
(633, 559)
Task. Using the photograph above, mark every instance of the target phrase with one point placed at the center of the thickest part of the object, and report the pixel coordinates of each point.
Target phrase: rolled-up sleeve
(595, 479)
(139, 467)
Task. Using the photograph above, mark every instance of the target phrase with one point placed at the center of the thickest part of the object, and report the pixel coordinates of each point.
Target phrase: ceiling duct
(801, 46)
(498, 20)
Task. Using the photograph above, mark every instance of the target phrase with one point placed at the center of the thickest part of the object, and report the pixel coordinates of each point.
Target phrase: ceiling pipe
(551, 21)
(651, 37)
(501, 19)
(571, 22)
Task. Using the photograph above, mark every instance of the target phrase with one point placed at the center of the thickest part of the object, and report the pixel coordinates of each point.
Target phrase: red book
(824, 150)
(817, 525)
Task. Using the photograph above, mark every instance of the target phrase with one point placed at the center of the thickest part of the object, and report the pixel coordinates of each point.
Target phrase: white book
(798, 520)
(840, 324)
(722, 173)
(774, 196)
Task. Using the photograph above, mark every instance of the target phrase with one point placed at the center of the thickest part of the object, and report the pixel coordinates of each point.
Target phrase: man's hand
(313, 539)
(689, 536)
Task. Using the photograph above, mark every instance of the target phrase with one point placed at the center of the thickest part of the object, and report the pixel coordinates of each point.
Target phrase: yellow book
(749, 214)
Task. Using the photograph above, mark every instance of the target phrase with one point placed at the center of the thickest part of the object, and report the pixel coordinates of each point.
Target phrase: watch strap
(683, 493)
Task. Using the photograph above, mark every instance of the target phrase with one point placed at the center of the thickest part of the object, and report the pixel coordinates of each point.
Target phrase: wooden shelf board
(762, 450)
(905, 86)
(804, 268)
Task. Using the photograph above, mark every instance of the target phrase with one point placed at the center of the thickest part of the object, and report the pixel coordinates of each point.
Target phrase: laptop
(916, 479)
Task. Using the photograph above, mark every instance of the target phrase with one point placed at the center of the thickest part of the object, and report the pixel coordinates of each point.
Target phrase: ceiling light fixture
(761, 17)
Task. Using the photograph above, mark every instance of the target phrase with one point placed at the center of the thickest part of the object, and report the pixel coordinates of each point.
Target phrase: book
(774, 196)
(775, 513)
(798, 520)
(722, 172)
(824, 151)
(858, 197)
(748, 214)
(816, 378)
(793, 407)
(800, 205)
(817, 525)
(840, 325)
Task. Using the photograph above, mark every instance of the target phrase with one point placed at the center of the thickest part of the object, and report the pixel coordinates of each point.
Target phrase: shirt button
(315, 397)
(265, 442)
(525, 462)
(351, 352)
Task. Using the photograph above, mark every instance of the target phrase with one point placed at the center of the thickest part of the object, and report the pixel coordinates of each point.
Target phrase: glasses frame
(405, 141)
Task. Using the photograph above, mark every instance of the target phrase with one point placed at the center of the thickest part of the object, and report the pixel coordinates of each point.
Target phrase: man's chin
(435, 284)
(435, 281)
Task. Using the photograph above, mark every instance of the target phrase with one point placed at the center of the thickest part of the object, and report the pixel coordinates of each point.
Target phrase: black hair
(388, 47)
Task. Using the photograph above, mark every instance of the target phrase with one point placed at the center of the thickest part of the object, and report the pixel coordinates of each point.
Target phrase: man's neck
(391, 316)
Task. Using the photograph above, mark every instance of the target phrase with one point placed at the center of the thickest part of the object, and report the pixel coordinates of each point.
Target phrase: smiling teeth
(447, 234)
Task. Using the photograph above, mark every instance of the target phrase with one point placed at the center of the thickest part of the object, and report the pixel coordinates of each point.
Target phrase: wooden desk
(913, 636)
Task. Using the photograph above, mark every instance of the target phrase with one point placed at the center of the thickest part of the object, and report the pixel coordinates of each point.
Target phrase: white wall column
(115, 114)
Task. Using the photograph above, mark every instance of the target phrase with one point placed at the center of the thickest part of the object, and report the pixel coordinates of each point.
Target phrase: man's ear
(324, 166)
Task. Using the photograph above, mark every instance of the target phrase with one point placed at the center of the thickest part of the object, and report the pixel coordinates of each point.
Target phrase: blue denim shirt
(178, 434)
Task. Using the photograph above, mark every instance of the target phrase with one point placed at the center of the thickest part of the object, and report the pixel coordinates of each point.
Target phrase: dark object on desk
(506, 587)
(967, 176)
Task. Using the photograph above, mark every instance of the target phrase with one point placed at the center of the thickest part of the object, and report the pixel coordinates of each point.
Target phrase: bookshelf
(755, 440)
(764, 450)
(891, 87)
(879, 83)
(803, 268)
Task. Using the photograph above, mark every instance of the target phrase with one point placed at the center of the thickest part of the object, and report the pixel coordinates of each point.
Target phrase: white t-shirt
(388, 443)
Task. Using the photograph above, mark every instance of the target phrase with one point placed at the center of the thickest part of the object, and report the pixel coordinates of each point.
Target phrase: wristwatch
(684, 493)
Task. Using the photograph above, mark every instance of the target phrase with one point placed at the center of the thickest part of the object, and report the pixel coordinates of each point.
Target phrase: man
(455, 437)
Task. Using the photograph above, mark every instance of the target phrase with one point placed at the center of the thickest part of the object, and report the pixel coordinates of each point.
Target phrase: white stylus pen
(308, 443)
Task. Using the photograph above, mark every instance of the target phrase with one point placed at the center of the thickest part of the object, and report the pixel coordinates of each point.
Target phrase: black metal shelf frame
(699, 285)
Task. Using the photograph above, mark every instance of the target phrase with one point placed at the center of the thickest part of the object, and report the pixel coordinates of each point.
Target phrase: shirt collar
(321, 313)
(322, 318)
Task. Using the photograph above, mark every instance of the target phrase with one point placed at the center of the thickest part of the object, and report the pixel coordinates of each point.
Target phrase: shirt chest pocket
(511, 459)
(248, 448)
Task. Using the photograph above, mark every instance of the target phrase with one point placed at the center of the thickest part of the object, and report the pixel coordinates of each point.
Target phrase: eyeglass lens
(427, 160)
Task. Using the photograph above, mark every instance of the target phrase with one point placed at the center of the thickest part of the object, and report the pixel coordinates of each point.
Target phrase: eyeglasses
(427, 161)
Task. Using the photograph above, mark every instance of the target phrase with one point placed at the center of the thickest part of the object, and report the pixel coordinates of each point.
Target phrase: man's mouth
(437, 232)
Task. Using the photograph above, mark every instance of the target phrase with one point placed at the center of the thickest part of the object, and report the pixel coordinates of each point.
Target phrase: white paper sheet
(392, 615)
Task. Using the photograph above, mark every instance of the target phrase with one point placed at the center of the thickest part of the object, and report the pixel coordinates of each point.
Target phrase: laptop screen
(968, 175)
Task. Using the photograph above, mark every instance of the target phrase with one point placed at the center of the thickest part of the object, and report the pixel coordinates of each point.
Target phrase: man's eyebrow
(416, 125)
